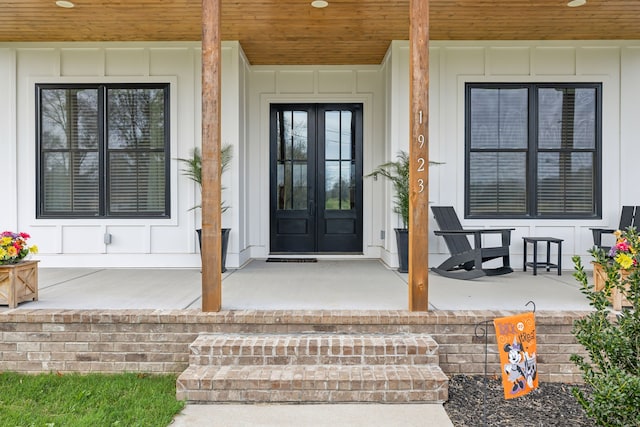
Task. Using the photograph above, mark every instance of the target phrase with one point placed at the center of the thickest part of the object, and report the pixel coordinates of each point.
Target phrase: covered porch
(359, 285)
(339, 53)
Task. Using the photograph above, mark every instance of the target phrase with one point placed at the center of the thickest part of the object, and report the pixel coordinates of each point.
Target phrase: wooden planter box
(617, 298)
(18, 283)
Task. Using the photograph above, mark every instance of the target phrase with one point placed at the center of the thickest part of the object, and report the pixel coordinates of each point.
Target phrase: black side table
(535, 264)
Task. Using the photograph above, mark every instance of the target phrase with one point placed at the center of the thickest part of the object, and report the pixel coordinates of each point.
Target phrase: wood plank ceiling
(293, 32)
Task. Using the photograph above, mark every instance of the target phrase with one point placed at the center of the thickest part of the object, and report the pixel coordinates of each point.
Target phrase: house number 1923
(421, 161)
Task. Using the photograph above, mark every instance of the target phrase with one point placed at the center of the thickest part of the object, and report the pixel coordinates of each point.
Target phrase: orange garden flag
(516, 338)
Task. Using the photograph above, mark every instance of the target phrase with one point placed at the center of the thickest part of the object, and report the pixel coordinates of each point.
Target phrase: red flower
(622, 245)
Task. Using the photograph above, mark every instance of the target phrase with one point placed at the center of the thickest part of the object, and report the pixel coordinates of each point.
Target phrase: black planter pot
(225, 244)
(402, 240)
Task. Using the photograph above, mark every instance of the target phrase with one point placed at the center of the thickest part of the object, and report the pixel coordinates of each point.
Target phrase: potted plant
(617, 266)
(18, 276)
(398, 173)
(14, 247)
(193, 170)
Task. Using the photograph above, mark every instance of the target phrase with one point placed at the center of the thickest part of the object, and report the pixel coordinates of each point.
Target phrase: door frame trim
(369, 249)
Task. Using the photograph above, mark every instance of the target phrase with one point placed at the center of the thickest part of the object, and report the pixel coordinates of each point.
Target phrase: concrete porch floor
(327, 284)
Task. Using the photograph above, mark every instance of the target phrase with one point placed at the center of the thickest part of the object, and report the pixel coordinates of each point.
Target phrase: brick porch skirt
(158, 341)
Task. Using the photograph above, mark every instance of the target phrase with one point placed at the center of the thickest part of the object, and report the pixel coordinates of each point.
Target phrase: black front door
(316, 178)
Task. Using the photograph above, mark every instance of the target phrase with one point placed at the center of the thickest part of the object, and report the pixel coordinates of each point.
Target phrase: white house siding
(10, 175)
(248, 90)
(316, 84)
(79, 243)
(629, 126)
(452, 64)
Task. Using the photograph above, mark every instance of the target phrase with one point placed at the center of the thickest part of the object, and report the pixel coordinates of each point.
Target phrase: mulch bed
(552, 404)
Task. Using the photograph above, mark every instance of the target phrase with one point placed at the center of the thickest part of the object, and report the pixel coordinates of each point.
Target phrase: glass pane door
(316, 178)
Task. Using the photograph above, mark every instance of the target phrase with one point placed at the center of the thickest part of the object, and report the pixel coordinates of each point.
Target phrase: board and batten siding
(247, 91)
(311, 84)
(615, 64)
(80, 242)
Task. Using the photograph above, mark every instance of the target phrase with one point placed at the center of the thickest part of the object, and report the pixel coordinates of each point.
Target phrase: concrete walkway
(335, 415)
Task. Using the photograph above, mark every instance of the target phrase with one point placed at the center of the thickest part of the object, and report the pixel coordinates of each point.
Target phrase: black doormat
(292, 260)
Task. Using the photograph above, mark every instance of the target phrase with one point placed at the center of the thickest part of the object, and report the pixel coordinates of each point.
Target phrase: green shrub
(612, 342)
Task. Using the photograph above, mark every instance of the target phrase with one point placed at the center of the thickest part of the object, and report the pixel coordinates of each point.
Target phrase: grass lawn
(52, 400)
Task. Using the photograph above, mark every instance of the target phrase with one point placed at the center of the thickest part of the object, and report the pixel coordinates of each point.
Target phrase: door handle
(311, 208)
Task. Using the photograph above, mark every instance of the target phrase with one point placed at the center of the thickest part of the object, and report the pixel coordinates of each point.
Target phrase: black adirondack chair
(629, 217)
(466, 262)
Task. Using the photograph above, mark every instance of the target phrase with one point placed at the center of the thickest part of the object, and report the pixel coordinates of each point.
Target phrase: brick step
(314, 384)
(314, 368)
(313, 349)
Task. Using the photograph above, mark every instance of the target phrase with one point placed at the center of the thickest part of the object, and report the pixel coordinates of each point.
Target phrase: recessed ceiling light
(319, 4)
(576, 3)
(65, 4)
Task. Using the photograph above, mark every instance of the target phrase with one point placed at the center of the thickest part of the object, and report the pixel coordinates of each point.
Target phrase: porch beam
(419, 156)
(211, 162)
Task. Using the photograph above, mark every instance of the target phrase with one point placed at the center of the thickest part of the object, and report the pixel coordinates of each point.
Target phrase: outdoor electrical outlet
(107, 238)
(381, 234)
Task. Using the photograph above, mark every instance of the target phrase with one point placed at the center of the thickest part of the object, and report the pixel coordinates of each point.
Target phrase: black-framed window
(533, 150)
(103, 150)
